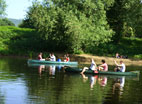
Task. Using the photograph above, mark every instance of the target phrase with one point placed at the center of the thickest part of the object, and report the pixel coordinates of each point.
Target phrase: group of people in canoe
(104, 67)
(53, 58)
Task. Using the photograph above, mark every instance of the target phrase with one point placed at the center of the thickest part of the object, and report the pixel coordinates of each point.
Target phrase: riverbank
(85, 59)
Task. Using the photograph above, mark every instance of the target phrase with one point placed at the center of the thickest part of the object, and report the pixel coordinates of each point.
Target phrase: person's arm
(40, 56)
(102, 65)
(93, 62)
(117, 63)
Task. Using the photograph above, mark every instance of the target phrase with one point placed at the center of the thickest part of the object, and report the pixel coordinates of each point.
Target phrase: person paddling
(103, 66)
(40, 57)
(67, 59)
(52, 57)
(92, 67)
(120, 67)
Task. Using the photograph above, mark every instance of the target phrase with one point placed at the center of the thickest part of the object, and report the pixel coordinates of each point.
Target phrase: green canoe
(78, 70)
(51, 62)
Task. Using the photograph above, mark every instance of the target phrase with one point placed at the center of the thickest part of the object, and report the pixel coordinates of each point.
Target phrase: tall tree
(115, 17)
(124, 18)
(134, 16)
(71, 25)
(2, 7)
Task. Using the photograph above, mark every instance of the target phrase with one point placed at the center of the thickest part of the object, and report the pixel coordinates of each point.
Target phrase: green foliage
(138, 56)
(6, 22)
(124, 18)
(70, 25)
(2, 7)
(17, 41)
(133, 16)
(77, 26)
(127, 46)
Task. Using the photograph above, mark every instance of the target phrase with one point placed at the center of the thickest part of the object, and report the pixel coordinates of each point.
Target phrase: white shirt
(123, 67)
(122, 82)
(93, 65)
(53, 70)
(52, 58)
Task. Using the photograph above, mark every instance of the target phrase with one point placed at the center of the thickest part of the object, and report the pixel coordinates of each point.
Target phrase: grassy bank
(27, 42)
(17, 41)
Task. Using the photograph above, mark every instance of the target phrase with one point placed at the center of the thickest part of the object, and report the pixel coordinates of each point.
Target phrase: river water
(23, 84)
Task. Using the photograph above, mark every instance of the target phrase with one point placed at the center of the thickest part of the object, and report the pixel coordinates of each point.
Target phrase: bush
(15, 40)
(138, 56)
(6, 22)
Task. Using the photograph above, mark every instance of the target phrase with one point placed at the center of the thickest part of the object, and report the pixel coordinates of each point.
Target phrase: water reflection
(102, 80)
(119, 85)
(20, 84)
(50, 69)
(40, 69)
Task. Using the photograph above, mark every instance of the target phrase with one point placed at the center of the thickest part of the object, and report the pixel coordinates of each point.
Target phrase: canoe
(51, 62)
(78, 70)
(37, 65)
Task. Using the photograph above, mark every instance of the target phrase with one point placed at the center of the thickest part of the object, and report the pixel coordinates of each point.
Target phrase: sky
(16, 9)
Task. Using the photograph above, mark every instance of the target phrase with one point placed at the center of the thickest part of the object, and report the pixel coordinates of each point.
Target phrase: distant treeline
(6, 22)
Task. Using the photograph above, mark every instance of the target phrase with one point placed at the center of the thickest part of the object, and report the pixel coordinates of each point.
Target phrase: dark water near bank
(23, 84)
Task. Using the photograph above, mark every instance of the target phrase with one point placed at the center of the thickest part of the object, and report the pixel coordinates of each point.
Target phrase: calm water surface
(23, 84)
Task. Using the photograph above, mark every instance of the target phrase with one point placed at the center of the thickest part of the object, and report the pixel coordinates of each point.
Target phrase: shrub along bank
(130, 47)
(18, 41)
(25, 41)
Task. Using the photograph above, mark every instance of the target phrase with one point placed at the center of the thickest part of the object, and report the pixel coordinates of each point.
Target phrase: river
(23, 84)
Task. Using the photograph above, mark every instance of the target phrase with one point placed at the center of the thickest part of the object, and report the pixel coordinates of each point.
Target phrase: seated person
(67, 59)
(92, 67)
(40, 57)
(120, 67)
(52, 57)
(117, 55)
(103, 66)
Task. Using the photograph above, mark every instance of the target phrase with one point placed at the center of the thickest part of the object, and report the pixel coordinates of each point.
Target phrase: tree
(2, 7)
(71, 25)
(124, 18)
(6, 22)
(115, 17)
(134, 16)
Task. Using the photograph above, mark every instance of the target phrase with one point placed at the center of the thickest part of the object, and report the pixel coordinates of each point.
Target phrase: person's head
(40, 53)
(121, 62)
(103, 61)
(67, 55)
